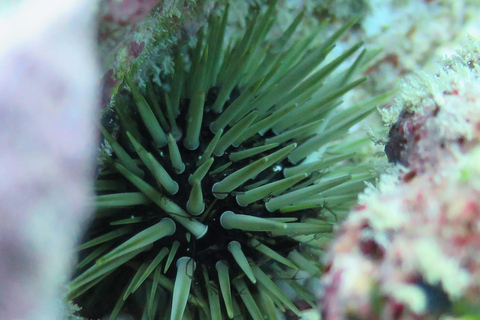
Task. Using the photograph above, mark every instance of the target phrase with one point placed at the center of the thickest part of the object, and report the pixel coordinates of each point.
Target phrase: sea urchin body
(204, 203)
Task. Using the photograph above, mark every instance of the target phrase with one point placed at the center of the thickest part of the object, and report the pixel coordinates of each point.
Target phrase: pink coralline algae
(126, 12)
(136, 48)
(410, 249)
(47, 141)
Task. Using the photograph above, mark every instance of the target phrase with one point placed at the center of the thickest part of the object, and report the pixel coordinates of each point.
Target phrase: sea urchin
(204, 204)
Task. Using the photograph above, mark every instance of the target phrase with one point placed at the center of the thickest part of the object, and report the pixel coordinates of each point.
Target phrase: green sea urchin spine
(193, 213)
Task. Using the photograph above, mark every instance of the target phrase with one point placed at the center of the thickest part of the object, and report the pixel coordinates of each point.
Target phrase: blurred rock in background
(48, 110)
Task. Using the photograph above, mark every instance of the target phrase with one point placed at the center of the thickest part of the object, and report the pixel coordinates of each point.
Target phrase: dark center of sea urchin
(204, 203)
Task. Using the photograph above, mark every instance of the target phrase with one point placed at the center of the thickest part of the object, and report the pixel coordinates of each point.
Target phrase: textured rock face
(410, 249)
(47, 137)
(439, 115)
(134, 34)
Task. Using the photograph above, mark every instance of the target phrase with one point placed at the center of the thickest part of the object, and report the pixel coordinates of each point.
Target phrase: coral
(409, 250)
(205, 200)
(47, 120)
(431, 125)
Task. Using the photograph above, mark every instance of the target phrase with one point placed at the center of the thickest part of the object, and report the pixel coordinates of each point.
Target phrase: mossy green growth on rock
(205, 201)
